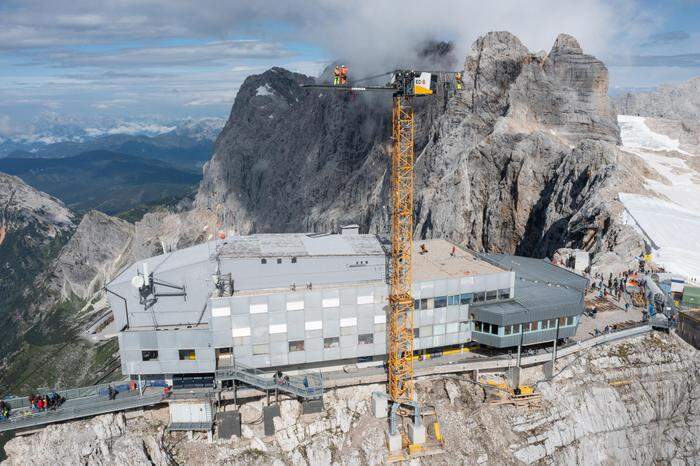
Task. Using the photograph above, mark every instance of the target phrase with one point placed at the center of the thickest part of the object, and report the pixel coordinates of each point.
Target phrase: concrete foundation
(548, 369)
(514, 377)
(380, 406)
(393, 442)
(416, 434)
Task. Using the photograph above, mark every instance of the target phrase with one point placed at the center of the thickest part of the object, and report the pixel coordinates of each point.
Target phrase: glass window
(297, 345)
(332, 342)
(506, 329)
(570, 320)
(494, 329)
(187, 355)
(431, 303)
(424, 304)
(330, 302)
(465, 298)
(552, 323)
(491, 295)
(261, 349)
(416, 332)
(416, 304)
(296, 305)
(452, 300)
(263, 261)
(529, 326)
(544, 324)
(479, 297)
(150, 355)
(504, 294)
(279, 261)
(258, 308)
(477, 326)
(485, 327)
(440, 301)
(365, 339)
(294, 260)
(562, 321)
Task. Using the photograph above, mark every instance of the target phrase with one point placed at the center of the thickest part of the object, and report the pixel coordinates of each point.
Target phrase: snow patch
(264, 90)
(637, 135)
(674, 231)
(672, 225)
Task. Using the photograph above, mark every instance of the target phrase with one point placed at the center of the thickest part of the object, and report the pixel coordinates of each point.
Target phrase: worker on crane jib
(458, 81)
(336, 75)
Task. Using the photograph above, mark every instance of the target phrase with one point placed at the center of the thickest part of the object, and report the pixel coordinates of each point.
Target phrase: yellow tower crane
(405, 85)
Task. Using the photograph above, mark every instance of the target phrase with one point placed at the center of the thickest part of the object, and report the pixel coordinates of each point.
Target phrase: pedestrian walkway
(305, 386)
(76, 408)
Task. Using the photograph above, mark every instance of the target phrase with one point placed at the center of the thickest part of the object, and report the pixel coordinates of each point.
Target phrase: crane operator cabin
(272, 301)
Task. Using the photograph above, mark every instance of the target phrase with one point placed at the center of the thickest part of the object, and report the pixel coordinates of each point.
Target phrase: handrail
(261, 380)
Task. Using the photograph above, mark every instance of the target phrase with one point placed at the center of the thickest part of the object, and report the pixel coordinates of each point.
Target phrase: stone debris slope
(633, 402)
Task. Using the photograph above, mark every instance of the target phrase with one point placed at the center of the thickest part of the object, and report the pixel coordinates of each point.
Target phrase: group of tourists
(615, 285)
(40, 403)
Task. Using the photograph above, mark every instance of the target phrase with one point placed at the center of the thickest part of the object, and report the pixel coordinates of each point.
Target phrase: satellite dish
(138, 282)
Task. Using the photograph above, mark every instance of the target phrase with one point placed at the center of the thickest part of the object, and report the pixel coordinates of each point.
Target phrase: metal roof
(542, 291)
(537, 270)
(299, 245)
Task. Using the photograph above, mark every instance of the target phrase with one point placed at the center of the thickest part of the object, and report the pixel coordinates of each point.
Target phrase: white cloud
(165, 56)
(7, 128)
(188, 55)
(131, 128)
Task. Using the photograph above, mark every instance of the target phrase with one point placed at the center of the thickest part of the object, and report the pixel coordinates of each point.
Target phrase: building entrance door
(224, 357)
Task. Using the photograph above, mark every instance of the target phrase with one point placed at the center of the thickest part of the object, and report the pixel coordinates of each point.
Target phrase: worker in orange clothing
(336, 75)
(343, 75)
(458, 81)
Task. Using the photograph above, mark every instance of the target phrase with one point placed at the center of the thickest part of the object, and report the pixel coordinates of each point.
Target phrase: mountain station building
(280, 301)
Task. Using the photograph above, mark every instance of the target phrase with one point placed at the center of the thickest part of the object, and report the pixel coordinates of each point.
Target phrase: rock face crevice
(515, 161)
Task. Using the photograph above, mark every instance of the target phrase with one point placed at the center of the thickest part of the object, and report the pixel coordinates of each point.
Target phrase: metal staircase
(307, 386)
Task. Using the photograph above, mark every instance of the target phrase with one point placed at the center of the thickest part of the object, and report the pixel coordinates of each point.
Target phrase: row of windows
(485, 327)
(279, 260)
(440, 329)
(422, 304)
(460, 299)
(297, 305)
(183, 354)
(331, 342)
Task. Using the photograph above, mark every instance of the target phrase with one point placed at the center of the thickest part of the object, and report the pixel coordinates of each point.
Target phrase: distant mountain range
(109, 181)
(186, 144)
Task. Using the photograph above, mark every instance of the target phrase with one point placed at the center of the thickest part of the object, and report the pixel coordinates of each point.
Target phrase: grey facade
(296, 299)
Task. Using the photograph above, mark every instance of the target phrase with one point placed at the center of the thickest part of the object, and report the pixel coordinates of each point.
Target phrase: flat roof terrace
(438, 263)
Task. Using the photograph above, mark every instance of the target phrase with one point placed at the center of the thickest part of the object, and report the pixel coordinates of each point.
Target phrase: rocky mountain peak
(566, 44)
(91, 255)
(526, 131)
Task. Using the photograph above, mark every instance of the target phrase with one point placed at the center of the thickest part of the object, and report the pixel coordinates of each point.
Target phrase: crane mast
(400, 341)
(405, 85)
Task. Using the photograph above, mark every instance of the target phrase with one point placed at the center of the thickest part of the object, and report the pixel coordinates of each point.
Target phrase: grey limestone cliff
(516, 161)
(677, 102)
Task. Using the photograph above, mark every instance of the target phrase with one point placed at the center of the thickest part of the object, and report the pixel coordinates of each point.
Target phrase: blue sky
(170, 59)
